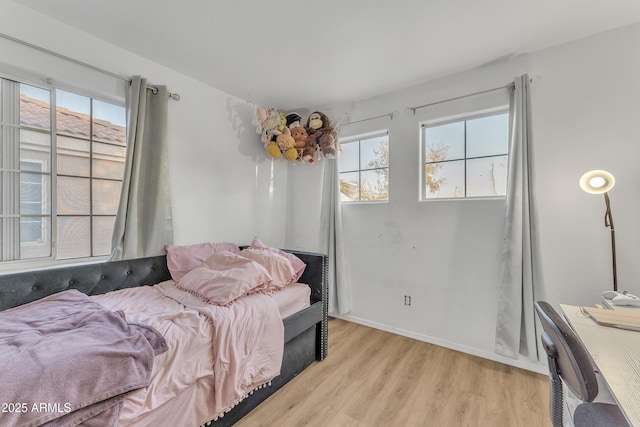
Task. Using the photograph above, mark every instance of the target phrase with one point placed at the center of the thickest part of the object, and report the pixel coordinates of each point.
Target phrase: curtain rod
(174, 96)
(413, 109)
(390, 115)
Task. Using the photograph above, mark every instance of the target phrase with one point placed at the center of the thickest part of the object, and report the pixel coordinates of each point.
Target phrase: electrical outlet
(407, 300)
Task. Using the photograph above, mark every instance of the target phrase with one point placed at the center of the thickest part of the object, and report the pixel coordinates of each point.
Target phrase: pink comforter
(248, 343)
(239, 347)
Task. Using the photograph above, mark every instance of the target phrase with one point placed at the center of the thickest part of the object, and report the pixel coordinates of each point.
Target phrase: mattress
(292, 299)
(182, 376)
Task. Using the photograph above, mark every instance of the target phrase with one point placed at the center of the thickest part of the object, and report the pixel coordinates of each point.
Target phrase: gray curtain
(521, 281)
(144, 221)
(332, 239)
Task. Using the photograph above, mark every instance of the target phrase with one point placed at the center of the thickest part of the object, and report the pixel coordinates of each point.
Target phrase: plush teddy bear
(286, 143)
(306, 147)
(300, 137)
(321, 133)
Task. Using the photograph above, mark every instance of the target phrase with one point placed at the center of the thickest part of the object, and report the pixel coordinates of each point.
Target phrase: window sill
(365, 202)
(23, 266)
(462, 199)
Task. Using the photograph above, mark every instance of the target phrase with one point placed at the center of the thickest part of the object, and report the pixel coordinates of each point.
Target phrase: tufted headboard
(93, 279)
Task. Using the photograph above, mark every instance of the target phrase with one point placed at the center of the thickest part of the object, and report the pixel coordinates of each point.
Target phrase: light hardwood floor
(374, 378)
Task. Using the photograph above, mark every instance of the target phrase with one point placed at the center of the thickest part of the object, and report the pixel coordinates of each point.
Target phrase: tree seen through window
(364, 169)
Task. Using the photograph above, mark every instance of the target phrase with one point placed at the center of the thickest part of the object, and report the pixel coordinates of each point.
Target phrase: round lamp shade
(597, 182)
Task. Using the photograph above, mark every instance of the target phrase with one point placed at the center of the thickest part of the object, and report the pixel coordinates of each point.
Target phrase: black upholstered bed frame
(305, 332)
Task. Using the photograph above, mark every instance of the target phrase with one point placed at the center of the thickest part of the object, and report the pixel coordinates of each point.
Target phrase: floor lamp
(600, 182)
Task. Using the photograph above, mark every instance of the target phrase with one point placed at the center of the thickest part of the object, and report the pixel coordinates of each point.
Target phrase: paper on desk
(614, 318)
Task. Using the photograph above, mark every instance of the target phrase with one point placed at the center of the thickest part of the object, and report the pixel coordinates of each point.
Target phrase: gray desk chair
(569, 360)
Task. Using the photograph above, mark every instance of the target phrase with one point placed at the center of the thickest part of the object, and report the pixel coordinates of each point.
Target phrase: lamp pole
(608, 222)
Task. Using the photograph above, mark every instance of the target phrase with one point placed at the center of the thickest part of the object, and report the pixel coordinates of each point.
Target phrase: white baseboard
(523, 364)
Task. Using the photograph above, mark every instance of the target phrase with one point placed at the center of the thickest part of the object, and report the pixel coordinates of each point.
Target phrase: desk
(616, 353)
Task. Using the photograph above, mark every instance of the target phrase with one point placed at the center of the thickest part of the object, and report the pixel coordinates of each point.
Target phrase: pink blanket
(229, 351)
(247, 343)
(65, 360)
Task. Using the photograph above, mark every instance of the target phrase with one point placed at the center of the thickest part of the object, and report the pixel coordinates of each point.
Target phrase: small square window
(364, 169)
(466, 158)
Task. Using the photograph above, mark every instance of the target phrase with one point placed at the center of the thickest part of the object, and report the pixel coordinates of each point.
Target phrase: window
(61, 171)
(466, 158)
(364, 169)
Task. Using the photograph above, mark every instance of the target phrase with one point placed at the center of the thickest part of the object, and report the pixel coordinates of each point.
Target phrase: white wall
(586, 110)
(446, 254)
(223, 186)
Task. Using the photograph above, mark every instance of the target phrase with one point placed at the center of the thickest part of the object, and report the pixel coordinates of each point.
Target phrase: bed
(110, 284)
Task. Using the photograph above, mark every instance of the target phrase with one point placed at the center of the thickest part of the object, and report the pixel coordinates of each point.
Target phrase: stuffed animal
(286, 143)
(306, 148)
(293, 120)
(300, 136)
(260, 116)
(272, 123)
(309, 152)
(321, 132)
(273, 150)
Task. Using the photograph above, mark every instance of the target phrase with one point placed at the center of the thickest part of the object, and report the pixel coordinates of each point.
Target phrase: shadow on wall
(240, 115)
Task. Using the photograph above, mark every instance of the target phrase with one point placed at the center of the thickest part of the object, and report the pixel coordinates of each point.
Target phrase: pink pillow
(297, 264)
(183, 259)
(279, 267)
(224, 277)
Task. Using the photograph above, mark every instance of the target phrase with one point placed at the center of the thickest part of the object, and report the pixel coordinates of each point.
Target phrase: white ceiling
(292, 54)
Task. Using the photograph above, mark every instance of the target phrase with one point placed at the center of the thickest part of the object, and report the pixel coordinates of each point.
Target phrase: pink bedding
(66, 338)
(292, 299)
(247, 343)
(188, 336)
(225, 351)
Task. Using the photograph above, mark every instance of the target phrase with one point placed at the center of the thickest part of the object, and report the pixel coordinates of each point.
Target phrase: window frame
(359, 138)
(16, 265)
(478, 114)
